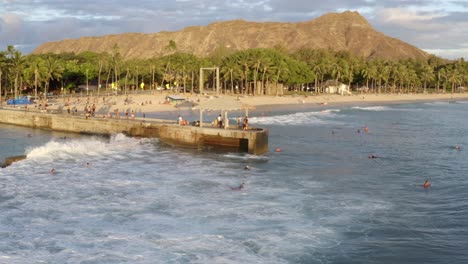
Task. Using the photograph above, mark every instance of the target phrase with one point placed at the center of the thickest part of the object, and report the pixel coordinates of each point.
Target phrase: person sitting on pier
(179, 120)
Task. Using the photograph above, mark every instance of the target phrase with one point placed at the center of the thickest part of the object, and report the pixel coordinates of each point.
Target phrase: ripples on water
(320, 200)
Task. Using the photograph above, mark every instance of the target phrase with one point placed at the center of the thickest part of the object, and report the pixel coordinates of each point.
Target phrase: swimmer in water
(53, 171)
(238, 188)
(87, 164)
(372, 156)
(426, 184)
(247, 167)
(457, 147)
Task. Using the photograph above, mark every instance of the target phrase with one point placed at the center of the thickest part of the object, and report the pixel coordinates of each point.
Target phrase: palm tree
(2, 64)
(444, 77)
(53, 71)
(453, 77)
(116, 61)
(35, 67)
(427, 75)
(101, 62)
(16, 64)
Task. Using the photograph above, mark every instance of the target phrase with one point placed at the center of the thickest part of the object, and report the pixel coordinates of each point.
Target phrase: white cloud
(405, 16)
(449, 53)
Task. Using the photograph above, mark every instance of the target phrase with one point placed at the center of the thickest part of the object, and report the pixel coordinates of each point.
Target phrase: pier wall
(251, 141)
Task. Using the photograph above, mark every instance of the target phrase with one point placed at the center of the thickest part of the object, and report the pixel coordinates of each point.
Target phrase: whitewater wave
(437, 103)
(324, 117)
(373, 108)
(241, 156)
(93, 146)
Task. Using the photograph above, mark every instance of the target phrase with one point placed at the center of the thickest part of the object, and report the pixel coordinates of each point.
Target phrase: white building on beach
(335, 87)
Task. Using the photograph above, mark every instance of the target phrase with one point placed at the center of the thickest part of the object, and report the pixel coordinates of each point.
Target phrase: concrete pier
(253, 141)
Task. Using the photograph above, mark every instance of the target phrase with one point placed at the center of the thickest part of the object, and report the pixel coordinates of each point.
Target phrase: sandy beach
(157, 102)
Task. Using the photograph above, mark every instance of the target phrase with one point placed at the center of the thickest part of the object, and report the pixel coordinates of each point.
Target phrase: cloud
(427, 24)
(441, 33)
(405, 17)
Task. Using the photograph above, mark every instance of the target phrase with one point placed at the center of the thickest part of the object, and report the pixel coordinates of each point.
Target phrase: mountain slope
(337, 31)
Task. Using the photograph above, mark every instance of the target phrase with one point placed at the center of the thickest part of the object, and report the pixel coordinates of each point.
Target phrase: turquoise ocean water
(319, 200)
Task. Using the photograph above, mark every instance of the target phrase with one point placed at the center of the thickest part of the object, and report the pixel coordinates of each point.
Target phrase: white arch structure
(217, 78)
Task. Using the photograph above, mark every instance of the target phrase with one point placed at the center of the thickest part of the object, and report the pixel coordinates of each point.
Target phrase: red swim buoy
(278, 150)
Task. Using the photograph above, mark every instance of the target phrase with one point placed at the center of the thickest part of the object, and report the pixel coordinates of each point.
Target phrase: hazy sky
(437, 26)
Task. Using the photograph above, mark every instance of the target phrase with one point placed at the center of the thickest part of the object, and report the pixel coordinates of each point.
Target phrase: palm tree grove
(252, 71)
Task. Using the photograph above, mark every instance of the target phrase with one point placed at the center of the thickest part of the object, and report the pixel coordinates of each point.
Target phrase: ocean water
(319, 200)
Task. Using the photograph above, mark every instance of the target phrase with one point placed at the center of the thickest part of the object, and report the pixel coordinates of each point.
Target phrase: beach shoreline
(156, 103)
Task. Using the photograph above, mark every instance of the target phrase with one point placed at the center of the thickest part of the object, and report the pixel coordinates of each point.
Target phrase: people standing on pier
(220, 121)
(245, 124)
(239, 122)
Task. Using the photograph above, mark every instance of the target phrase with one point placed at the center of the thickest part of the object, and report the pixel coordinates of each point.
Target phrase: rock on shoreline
(8, 161)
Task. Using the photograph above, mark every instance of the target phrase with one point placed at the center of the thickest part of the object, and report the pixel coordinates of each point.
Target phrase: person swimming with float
(426, 184)
(238, 188)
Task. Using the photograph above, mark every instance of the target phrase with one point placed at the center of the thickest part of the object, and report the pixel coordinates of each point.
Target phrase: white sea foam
(373, 108)
(94, 146)
(240, 156)
(437, 103)
(324, 117)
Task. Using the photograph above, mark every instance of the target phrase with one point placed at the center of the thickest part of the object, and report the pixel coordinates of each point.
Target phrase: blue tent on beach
(20, 100)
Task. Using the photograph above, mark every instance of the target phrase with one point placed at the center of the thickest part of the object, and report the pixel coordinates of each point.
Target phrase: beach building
(175, 99)
(336, 87)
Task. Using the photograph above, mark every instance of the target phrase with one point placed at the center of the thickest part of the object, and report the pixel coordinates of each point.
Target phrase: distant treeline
(249, 71)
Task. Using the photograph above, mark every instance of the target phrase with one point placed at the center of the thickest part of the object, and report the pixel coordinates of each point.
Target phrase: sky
(439, 27)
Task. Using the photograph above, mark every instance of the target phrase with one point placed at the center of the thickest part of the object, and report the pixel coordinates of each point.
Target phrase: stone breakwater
(254, 141)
